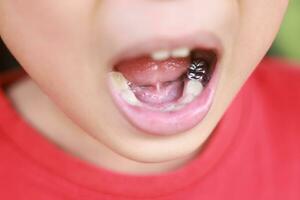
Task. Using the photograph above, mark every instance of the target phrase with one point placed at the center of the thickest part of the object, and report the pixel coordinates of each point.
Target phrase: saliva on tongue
(155, 83)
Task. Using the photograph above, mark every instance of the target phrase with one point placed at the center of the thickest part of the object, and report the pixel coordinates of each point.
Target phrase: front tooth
(161, 55)
(191, 91)
(180, 53)
(120, 83)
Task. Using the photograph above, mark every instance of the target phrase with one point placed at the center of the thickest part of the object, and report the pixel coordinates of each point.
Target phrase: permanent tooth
(180, 53)
(161, 55)
(120, 83)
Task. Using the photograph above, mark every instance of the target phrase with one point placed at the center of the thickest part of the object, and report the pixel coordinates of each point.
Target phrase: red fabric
(9, 76)
(254, 153)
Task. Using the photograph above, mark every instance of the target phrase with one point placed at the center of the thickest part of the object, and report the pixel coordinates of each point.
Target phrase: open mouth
(165, 92)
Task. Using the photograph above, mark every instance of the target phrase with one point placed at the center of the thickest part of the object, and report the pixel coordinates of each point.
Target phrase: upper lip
(198, 40)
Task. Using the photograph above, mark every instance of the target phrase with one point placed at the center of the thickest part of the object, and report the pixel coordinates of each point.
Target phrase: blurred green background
(287, 44)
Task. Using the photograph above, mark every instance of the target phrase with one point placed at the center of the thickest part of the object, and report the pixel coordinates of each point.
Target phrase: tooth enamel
(180, 53)
(120, 83)
(161, 55)
(192, 89)
(130, 98)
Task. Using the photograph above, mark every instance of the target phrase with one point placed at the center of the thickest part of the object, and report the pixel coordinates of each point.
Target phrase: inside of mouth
(159, 83)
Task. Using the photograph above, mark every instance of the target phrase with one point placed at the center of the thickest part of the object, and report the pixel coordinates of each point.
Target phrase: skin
(66, 47)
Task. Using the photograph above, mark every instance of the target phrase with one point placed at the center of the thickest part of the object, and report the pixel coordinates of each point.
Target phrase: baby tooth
(192, 89)
(160, 55)
(119, 81)
(180, 53)
(130, 98)
(121, 85)
(165, 54)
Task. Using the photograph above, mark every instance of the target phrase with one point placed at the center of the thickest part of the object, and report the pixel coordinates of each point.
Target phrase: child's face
(69, 48)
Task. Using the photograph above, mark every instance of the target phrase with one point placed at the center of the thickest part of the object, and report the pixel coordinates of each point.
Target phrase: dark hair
(7, 61)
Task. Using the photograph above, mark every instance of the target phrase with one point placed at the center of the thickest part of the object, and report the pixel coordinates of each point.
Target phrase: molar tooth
(191, 91)
(130, 98)
(188, 99)
(161, 55)
(193, 87)
(180, 52)
(120, 83)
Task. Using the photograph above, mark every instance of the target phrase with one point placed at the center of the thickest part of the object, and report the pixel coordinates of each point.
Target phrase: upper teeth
(165, 54)
(160, 55)
(180, 53)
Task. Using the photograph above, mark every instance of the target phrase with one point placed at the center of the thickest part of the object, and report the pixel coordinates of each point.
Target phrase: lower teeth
(197, 77)
(199, 70)
(120, 83)
(191, 90)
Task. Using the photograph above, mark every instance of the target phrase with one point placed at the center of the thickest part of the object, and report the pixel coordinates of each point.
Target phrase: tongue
(159, 94)
(155, 82)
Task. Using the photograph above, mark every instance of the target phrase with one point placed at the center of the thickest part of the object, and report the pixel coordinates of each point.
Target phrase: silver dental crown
(199, 70)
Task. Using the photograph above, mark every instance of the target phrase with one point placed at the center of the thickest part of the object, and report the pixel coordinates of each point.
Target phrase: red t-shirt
(254, 153)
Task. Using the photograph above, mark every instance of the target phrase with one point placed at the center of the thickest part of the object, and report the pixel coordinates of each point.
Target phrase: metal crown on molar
(199, 70)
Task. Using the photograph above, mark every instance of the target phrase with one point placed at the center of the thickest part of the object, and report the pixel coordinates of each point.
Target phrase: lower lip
(169, 123)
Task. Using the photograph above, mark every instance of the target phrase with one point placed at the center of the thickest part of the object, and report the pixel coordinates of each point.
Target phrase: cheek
(260, 21)
(35, 29)
(51, 42)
